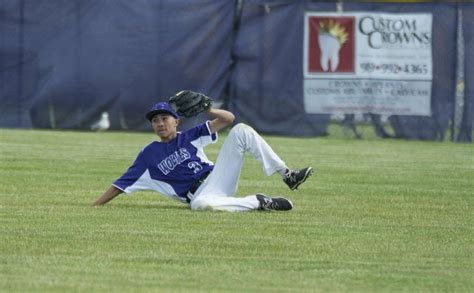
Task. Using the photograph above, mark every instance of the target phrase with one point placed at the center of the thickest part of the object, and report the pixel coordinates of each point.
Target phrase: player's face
(165, 126)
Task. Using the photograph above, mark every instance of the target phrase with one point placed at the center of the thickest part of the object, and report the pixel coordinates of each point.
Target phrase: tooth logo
(332, 36)
(330, 45)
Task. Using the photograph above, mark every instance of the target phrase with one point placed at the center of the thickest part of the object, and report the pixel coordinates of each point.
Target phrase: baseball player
(177, 167)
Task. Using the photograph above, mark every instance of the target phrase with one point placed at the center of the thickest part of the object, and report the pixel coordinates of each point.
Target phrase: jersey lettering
(169, 163)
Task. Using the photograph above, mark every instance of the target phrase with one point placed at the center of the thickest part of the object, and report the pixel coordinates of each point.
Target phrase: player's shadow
(152, 206)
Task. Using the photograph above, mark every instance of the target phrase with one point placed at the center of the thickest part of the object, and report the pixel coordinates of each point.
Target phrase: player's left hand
(189, 104)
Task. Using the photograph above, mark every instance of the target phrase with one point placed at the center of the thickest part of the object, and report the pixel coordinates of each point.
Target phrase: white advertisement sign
(368, 62)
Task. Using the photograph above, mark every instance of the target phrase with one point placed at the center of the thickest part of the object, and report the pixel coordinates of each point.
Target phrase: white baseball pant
(218, 190)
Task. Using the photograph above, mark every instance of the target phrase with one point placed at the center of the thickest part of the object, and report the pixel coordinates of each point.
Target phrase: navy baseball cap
(161, 107)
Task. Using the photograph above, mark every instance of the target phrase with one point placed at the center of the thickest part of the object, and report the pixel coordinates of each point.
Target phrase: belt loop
(196, 186)
(188, 197)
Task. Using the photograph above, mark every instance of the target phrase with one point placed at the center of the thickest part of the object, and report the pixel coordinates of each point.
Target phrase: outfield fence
(285, 67)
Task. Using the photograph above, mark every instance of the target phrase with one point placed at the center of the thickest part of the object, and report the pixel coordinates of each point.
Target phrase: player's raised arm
(107, 196)
(190, 104)
(222, 119)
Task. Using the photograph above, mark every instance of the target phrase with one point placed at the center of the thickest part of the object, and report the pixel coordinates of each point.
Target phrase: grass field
(376, 216)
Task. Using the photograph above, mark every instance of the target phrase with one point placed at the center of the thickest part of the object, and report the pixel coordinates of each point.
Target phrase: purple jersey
(170, 168)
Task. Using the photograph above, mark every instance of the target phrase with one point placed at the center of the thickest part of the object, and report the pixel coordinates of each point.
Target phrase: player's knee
(240, 129)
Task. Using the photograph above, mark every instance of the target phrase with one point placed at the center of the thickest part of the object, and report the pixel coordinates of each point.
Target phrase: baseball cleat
(274, 203)
(294, 178)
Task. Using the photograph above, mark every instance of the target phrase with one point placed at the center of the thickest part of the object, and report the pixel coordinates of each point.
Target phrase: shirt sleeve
(201, 135)
(133, 173)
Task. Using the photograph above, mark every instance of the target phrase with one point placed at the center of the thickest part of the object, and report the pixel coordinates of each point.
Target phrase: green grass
(376, 216)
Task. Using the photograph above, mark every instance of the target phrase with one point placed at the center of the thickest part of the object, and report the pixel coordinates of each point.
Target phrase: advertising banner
(370, 62)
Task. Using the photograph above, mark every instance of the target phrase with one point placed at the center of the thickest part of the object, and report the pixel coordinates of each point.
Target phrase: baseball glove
(189, 104)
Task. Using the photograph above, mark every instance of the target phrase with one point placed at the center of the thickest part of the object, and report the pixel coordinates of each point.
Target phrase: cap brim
(150, 114)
